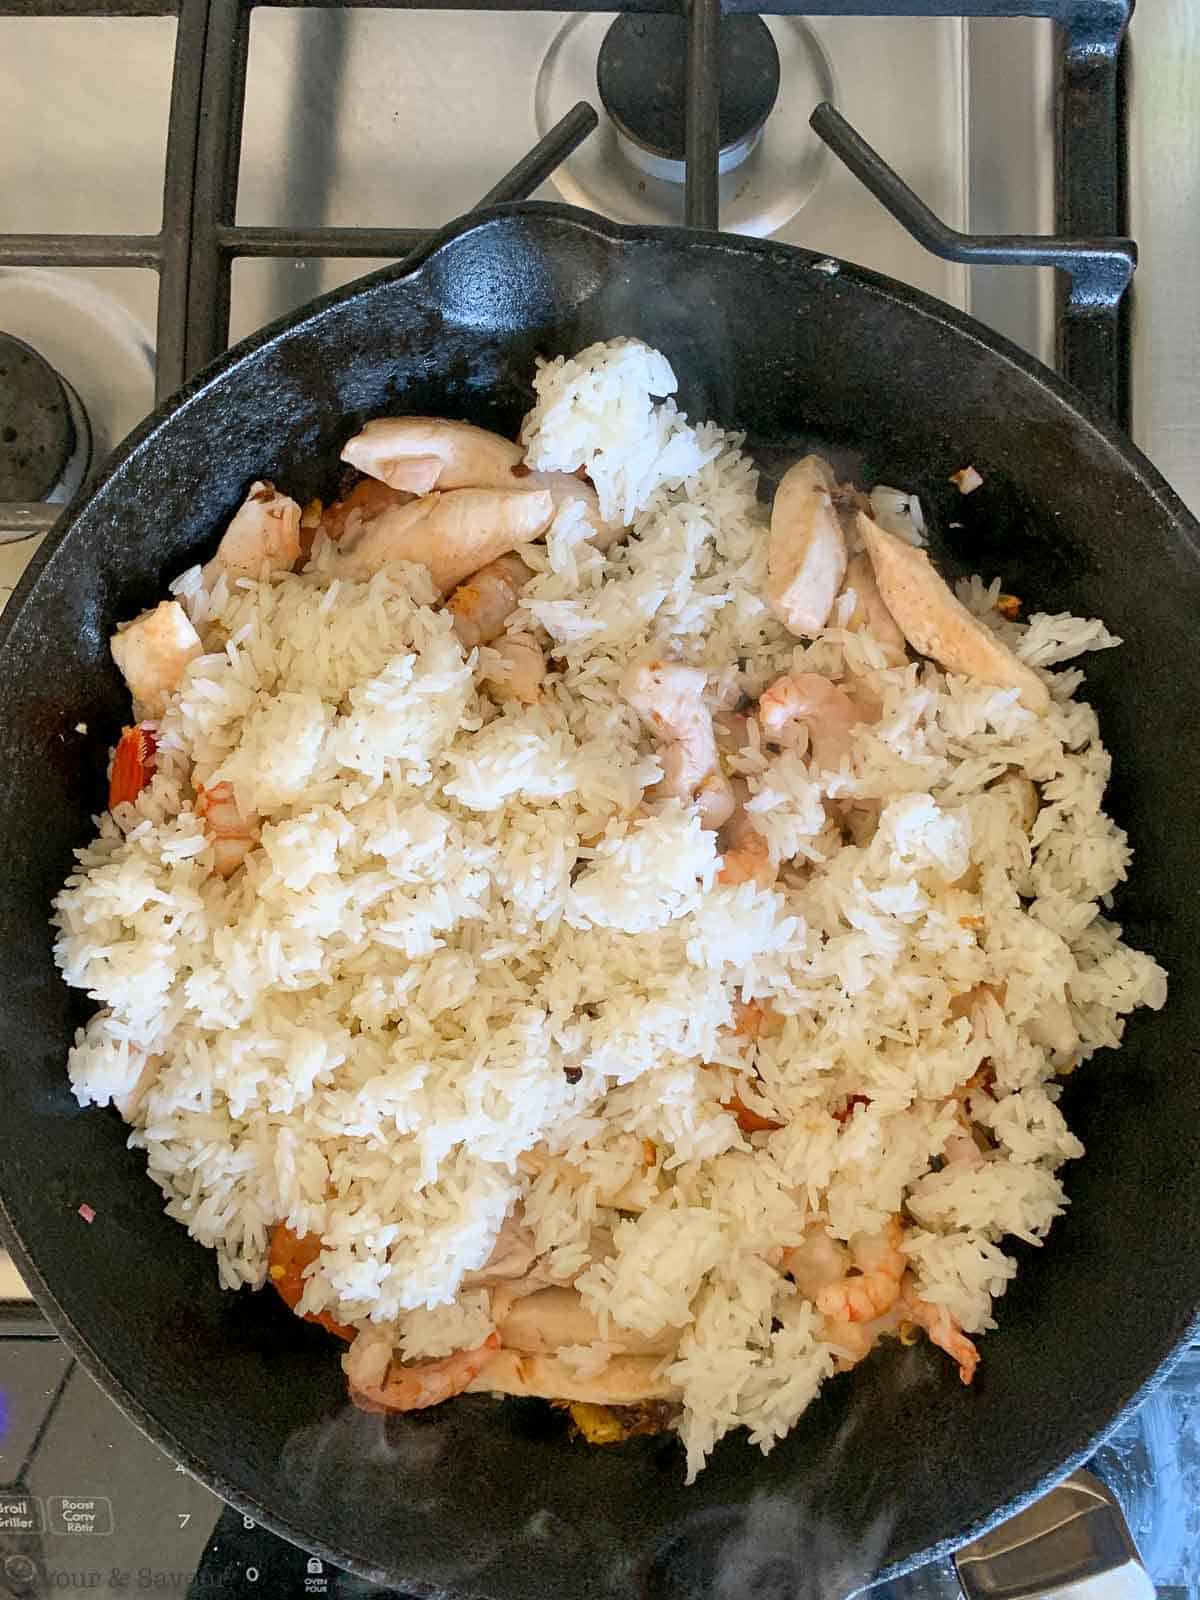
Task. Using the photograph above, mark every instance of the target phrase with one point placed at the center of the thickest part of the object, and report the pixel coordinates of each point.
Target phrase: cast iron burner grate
(195, 248)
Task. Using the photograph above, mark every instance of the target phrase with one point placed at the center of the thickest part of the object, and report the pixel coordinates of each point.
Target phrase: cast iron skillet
(486, 1499)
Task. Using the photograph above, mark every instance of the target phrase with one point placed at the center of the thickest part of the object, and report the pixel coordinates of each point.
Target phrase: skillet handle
(1073, 1542)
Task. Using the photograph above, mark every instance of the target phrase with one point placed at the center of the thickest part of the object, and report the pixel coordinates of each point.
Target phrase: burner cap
(44, 436)
(641, 76)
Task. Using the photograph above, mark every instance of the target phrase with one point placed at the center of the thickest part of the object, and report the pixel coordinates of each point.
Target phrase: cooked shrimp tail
(132, 765)
(944, 1332)
(745, 855)
(808, 701)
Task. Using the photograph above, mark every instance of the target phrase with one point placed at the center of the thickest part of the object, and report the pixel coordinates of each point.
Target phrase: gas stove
(176, 173)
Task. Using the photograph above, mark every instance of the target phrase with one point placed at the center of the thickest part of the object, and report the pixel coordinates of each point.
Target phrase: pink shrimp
(872, 1285)
(483, 603)
(669, 698)
(425, 1383)
(746, 856)
(233, 835)
(827, 712)
(817, 1262)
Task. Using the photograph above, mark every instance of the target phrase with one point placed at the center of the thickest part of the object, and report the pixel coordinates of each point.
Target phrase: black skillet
(489, 1499)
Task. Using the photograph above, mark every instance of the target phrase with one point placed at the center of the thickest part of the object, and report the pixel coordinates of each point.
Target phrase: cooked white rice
(452, 902)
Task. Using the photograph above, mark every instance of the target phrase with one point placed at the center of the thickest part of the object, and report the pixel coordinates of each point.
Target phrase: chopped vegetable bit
(847, 1111)
(614, 1424)
(1009, 605)
(86, 1212)
(81, 727)
(966, 480)
(748, 1120)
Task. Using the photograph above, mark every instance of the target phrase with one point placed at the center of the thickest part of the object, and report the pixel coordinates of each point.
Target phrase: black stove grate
(199, 239)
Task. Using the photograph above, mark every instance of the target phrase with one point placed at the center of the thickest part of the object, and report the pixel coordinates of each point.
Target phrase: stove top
(175, 173)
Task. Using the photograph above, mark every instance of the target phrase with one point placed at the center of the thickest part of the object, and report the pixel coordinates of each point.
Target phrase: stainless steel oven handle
(1072, 1544)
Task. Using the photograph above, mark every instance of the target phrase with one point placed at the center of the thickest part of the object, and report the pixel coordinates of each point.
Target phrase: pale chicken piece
(482, 604)
(870, 615)
(512, 1256)
(623, 1382)
(806, 554)
(823, 709)
(524, 669)
(152, 653)
(550, 1319)
(452, 534)
(419, 454)
(566, 490)
(669, 698)
(265, 532)
(937, 624)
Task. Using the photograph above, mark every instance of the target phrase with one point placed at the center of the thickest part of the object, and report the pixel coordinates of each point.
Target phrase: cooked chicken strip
(543, 1322)
(512, 1256)
(453, 534)
(624, 1381)
(424, 453)
(937, 624)
(806, 555)
(265, 532)
(870, 615)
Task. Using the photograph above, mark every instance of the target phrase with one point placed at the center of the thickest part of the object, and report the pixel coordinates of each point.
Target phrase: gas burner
(642, 79)
(773, 73)
(45, 439)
